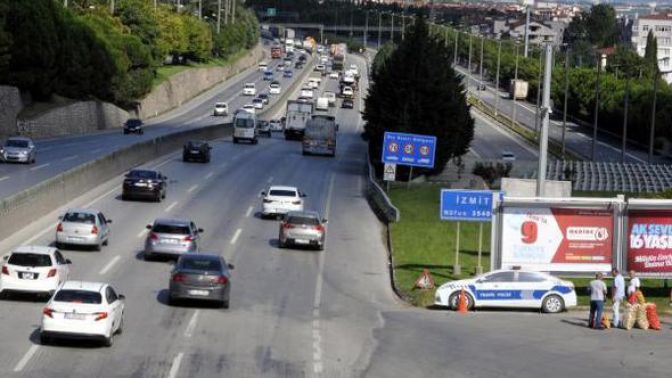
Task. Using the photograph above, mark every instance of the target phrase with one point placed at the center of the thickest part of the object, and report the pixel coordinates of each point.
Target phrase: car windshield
(300, 219)
(133, 122)
(244, 123)
(171, 229)
(282, 193)
(208, 265)
(275, 86)
(80, 218)
(194, 144)
(142, 174)
(29, 259)
(78, 296)
(17, 143)
(220, 105)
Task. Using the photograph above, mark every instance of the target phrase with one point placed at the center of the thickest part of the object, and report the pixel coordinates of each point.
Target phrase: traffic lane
(517, 344)
(490, 141)
(144, 284)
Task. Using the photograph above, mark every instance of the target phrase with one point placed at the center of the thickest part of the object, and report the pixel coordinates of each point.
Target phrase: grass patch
(164, 73)
(420, 240)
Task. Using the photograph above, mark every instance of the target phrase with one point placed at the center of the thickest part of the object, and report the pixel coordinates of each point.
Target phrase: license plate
(28, 276)
(198, 292)
(75, 238)
(170, 241)
(195, 151)
(73, 316)
(140, 184)
(301, 241)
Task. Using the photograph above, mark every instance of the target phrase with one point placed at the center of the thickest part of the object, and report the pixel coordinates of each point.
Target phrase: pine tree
(651, 52)
(417, 91)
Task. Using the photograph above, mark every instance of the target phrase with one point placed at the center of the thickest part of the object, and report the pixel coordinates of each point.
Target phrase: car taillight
(296, 202)
(48, 312)
(100, 315)
(153, 236)
(179, 277)
(188, 238)
(222, 280)
(5, 270)
(94, 230)
(318, 227)
(59, 228)
(52, 273)
(287, 225)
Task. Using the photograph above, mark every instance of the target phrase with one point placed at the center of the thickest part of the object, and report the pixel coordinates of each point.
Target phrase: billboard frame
(641, 204)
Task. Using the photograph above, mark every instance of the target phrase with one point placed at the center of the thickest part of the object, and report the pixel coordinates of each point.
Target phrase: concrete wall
(10, 106)
(187, 84)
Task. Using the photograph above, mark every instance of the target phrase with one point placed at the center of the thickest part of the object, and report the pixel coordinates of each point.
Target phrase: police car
(510, 288)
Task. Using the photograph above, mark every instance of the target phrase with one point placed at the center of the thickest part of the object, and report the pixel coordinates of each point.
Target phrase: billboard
(557, 239)
(649, 242)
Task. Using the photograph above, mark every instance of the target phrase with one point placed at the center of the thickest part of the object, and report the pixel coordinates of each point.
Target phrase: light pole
(564, 105)
(536, 110)
(513, 90)
(545, 113)
(527, 30)
(652, 134)
(480, 69)
(219, 16)
(499, 54)
(625, 117)
(457, 34)
(469, 65)
(366, 28)
(392, 30)
(597, 107)
(380, 28)
(403, 23)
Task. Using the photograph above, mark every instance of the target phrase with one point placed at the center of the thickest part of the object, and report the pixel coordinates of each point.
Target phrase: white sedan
(333, 75)
(274, 89)
(279, 200)
(510, 288)
(34, 270)
(83, 310)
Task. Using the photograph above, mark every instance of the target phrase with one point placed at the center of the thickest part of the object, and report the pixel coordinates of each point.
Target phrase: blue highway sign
(409, 149)
(467, 205)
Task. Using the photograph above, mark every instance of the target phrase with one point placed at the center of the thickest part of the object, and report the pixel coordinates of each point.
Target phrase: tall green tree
(417, 92)
(601, 25)
(5, 42)
(382, 57)
(651, 52)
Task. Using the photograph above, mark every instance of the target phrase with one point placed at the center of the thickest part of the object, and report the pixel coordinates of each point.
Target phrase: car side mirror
(121, 297)
(109, 221)
(303, 195)
(337, 126)
(324, 221)
(67, 261)
(149, 226)
(230, 266)
(200, 230)
(5, 257)
(263, 193)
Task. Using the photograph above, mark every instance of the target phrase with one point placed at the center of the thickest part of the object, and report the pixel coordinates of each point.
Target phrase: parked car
(221, 109)
(33, 270)
(18, 150)
(144, 183)
(83, 227)
(302, 228)
(171, 238)
(83, 310)
(279, 200)
(264, 127)
(201, 276)
(133, 126)
(510, 288)
(196, 150)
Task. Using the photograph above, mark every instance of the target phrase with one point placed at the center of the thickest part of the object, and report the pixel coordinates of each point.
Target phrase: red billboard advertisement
(557, 239)
(649, 238)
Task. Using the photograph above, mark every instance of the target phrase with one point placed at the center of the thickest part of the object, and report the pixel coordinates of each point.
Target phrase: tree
(417, 92)
(651, 52)
(382, 58)
(601, 25)
(5, 43)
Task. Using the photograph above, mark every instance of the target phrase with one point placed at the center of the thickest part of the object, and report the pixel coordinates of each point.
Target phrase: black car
(196, 150)
(200, 276)
(143, 183)
(264, 98)
(302, 58)
(298, 65)
(347, 103)
(133, 125)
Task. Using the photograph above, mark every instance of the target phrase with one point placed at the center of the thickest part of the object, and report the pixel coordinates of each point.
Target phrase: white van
(314, 82)
(245, 127)
(322, 103)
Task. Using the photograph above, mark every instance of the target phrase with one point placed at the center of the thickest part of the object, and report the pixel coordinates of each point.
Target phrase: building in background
(661, 25)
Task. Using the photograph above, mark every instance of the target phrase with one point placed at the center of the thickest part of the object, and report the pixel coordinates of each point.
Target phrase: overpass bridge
(365, 32)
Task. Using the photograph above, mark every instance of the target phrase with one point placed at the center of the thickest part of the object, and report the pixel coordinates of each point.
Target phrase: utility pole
(652, 134)
(499, 54)
(625, 118)
(200, 9)
(536, 110)
(219, 16)
(403, 23)
(597, 107)
(112, 6)
(380, 28)
(480, 69)
(513, 90)
(392, 31)
(457, 35)
(366, 28)
(469, 66)
(564, 105)
(546, 103)
(527, 30)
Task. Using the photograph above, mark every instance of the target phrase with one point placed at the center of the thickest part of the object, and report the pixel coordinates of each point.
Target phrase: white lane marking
(142, 233)
(499, 130)
(3, 178)
(249, 211)
(175, 366)
(70, 157)
(209, 175)
(40, 167)
(97, 150)
(26, 357)
(270, 179)
(234, 239)
(192, 324)
(473, 151)
(168, 160)
(109, 265)
(192, 188)
(170, 207)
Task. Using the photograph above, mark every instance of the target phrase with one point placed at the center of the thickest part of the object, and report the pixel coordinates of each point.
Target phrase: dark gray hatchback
(205, 277)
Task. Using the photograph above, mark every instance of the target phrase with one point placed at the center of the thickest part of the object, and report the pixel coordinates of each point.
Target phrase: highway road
(294, 313)
(577, 138)
(57, 155)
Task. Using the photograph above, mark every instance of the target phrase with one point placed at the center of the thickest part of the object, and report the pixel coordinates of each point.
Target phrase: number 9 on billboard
(529, 231)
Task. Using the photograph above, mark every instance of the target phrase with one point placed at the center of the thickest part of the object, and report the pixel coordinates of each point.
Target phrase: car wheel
(106, 242)
(58, 245)
(454, 300)
(147, 256)
(157, 198)
(553, 304)
(320, 247)
(120, 329)
(44, 339)
(172, 301)
(225, 304)
(97, 247)
(235, 140)
(109, 341)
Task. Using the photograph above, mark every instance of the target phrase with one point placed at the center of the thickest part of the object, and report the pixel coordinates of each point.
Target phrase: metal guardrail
(378, 200)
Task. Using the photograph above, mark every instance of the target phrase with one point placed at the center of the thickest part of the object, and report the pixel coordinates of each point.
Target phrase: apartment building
(661, 25)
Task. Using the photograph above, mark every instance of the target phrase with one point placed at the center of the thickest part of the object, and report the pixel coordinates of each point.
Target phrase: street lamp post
(499, 54)
(625, 118)
(564, 105)
(513, 90)
(392, 30)
(403, 23)
(457, 34)
(536, 110)
(597, 107)
(469, 66)
(545, 113)
(366, 28)
(219, 16)
(380, 28)
(480, 69)
(652, 134)
(527, 31)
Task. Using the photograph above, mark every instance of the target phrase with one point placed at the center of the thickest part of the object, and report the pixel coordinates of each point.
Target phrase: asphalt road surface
(294, 313)
(57, 155)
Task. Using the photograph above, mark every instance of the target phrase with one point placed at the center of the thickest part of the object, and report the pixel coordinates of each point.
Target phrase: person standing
(634, 283)
(617, 295)
(598, 290)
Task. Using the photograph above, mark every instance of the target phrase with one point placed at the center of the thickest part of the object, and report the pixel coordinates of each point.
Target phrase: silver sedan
(171, 238)
(303, 228)
(83, 227)
(18, 150)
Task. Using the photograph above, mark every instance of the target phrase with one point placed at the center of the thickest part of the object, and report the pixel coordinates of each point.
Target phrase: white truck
(518, 89)
(298, 113)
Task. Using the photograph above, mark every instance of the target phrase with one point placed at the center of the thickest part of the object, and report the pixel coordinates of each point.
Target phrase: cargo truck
(338, 51)
(518, 89)
(320, 136)
(298, 113)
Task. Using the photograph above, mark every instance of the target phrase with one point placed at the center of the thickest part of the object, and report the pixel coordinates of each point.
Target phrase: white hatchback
(249, 89)
(83, 310)
(279, 200)
(34, 270)
(510, 288)
(274, 89)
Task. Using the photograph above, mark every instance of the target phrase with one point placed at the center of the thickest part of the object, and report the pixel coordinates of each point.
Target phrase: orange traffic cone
(462, 304)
